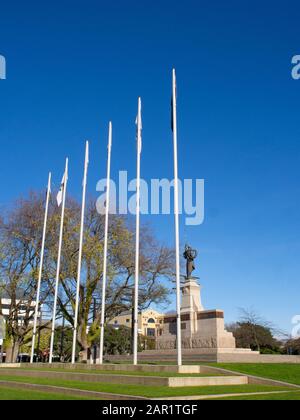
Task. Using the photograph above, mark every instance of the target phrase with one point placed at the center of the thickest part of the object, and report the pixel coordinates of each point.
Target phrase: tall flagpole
(37, 304)
(176, 214)
(102, 321)
(137, 240)
(86, 164)
(65, 180)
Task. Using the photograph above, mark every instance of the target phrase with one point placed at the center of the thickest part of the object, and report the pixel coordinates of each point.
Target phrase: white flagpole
(137, 240)
(58, 259)
(176, 213)
(86, 164)
(102, 321)
(37, 304)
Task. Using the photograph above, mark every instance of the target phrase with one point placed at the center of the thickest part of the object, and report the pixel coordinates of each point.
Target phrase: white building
(20, 305)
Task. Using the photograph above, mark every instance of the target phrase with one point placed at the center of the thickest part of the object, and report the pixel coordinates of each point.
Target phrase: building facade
(150, 322)
(21, 306)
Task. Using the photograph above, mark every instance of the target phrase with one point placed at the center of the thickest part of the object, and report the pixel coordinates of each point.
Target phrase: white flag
(59, 196)
(139, 127)
(87, 155)
(86, 162)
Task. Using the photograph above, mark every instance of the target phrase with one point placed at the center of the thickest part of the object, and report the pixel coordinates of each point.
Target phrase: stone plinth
(191, 296)
(200, 330)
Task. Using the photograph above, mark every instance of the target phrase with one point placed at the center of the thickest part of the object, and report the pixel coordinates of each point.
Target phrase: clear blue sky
(73, 65)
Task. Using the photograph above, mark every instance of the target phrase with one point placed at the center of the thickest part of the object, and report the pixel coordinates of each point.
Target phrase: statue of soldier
(190, 255)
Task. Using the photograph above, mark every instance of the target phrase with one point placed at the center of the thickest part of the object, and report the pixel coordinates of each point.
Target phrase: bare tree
(253, 328)
(156, 262)
(20, 243)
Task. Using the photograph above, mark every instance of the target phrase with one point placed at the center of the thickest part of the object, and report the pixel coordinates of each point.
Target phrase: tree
(156, 262)
(117, 341)
(253, 331)
(292, 346)
(20, 243)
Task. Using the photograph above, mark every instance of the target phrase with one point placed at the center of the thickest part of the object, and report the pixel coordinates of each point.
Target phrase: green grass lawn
(143, 390)
(18, 394)
(280, 372)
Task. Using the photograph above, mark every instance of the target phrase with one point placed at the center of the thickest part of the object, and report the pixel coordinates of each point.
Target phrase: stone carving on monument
(202, 331)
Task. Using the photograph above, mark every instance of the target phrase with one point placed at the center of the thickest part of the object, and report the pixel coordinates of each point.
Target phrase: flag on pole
(102, 318)
(176, 214)
(37, 304)
(86, 162)
(46, 191)
(84, 184)
(59, 196)
(63, 201)
(173, 102)
(137, 237)
(139, 127)
(87, 154)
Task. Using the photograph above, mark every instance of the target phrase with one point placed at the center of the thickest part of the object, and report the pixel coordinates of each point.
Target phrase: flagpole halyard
(37, 303)
(104, 279)
(64, 190)
(86, 163)
(137, 241)
(176, 215)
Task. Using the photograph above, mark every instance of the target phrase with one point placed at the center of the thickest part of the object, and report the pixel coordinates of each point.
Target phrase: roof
(140, 312)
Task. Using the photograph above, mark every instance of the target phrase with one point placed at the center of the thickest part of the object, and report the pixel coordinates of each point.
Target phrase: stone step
(129, 380)
(184, 369)
(162, 358)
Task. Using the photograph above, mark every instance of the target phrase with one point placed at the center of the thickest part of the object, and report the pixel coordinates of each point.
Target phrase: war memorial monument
(203, 331)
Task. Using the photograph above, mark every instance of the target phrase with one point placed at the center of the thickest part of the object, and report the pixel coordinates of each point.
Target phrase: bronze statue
(190, 255)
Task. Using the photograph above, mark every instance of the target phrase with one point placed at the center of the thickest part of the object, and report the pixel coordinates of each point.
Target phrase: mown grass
(144, 390)
(20, 394)
(281, 372)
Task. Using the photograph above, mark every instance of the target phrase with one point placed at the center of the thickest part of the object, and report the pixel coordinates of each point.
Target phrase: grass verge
(145, 391)
(281, 372)
(18, 394)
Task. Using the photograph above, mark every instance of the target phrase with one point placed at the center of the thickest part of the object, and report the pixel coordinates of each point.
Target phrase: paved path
(217, 396)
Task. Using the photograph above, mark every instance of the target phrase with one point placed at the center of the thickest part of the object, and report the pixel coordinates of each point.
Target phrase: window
(127, 320)
(151, 321)
(151, 332)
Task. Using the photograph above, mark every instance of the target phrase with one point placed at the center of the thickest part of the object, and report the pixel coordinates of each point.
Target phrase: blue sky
(73, 65)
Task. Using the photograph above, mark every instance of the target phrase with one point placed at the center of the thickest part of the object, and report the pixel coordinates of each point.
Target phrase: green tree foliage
(20, 244)
(292, 346)
(256, 337)
(252, 331)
